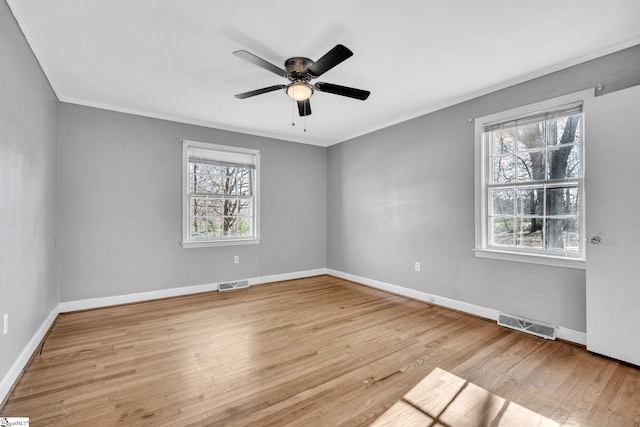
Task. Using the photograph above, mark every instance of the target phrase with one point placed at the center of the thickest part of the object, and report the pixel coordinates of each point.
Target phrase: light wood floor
(313, 352)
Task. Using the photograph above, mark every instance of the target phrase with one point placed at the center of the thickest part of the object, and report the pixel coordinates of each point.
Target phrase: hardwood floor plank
(314, 351)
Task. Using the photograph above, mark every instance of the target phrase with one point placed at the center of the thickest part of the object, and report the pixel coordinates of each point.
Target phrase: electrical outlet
(416, 266)
(5, 324)
(236, 259)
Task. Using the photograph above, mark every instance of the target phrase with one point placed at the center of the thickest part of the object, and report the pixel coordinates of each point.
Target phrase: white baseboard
(488, 313)
(287, 276)
(571, 335)
(89, 303)
(16, 369)
(421, 296)
(86, 304)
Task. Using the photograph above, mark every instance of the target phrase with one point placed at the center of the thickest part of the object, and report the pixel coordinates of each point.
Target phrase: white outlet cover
(5, 324)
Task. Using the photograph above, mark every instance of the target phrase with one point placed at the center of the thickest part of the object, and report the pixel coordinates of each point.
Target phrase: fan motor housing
(297, 68)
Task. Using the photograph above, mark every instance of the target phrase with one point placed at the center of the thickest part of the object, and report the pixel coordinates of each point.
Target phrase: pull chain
(293, 115)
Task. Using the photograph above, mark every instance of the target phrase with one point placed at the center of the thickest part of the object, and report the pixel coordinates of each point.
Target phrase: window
(220, 195)
(530, 189)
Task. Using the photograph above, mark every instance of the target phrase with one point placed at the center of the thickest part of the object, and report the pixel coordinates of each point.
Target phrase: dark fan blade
(304, 108)
(329, 60)
(342, 90)
(259, 91)
(248, 56)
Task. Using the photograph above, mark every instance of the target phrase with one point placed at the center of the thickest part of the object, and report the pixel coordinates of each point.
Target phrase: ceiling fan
(300, 71)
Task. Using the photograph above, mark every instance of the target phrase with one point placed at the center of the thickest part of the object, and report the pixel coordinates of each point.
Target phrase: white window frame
(482, 172)
(224, 152)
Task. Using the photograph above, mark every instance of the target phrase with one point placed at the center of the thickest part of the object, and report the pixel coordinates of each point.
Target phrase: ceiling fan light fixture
(299, 91)
(299, 71)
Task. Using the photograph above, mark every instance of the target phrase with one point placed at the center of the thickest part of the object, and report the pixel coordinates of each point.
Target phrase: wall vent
(230, 286)
(534, 327)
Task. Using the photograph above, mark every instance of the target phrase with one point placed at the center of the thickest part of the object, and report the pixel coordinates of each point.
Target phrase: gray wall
(28, 159)
(120, 207)
(406, 193)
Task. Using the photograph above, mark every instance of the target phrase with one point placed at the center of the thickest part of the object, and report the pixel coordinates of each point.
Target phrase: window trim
(187, 242)
(481, 189)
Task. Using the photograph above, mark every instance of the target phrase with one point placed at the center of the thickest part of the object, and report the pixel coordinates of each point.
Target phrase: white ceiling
(173, 59)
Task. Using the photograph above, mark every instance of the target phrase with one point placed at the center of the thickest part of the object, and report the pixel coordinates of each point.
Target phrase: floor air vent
(533, 327)
(230, 286)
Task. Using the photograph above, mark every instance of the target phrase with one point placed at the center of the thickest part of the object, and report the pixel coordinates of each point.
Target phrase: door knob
(596, 240)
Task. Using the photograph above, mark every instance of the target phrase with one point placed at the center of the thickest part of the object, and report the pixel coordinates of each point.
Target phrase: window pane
(504, 169)
(198, 206)
(529, 233)
(567, 130)
(214, 207)
(562, 201)
(502, 231)
(504, 141)
(216, 227)
(244, 226)
(230, 181)
(229, 226)
(525, 167)
(230, 207)
(245, 208)
(217, 181)
(190, 185)
(198, 178)
(531, 166)
(217, 206)
(529, 201)
(573, 163)
(197, 184)
(502, 202)
(244, 187)
(201, 227)
(563, 235)
(564, 162)
(531, 136)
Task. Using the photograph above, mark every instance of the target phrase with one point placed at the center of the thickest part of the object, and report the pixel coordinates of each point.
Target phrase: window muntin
(220, 195)
(531, 190)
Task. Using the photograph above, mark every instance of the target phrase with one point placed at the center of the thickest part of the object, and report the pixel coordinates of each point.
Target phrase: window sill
(212, 243)
(577, 263)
